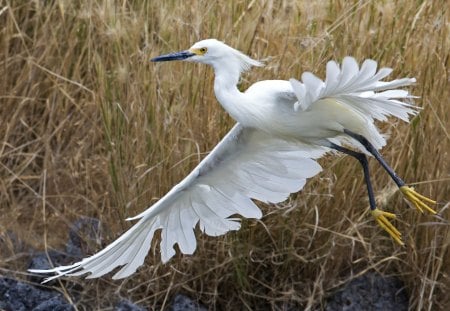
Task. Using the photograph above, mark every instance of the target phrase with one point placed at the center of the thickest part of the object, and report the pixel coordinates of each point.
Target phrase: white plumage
(283, 126)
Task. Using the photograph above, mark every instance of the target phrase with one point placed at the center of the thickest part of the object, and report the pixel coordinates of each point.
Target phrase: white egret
(282, 127)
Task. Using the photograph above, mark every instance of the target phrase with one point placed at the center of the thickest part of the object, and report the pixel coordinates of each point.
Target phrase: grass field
(89, 127)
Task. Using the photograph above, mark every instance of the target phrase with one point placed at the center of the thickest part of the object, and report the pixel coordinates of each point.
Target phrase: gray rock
(40, 261)
(53, 304)
(126, 305)
(370, 292)
(11, 244)
(184, 303)
(19, 296)
(83, 232)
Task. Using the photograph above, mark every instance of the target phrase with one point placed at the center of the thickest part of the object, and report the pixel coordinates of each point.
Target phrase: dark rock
(11, 244)
(83, 233)
(19, 296)
(40, 261)
(54, 304)
(126, 305)
(184, 303)
(370, 291)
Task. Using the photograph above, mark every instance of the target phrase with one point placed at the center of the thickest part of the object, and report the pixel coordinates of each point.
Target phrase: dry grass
(89, 127)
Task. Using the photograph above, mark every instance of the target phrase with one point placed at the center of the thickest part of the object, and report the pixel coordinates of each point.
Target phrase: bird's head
(212, 52)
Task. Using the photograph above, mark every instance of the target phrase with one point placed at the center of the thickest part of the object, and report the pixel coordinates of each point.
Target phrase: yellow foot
(382, 219)
(417, 199)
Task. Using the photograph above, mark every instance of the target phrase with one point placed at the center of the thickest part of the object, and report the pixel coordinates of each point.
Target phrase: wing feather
(187, 222)
(247, 164)
(359, 88)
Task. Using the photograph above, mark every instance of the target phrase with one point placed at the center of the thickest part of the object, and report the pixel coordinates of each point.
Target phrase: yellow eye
(203, 50)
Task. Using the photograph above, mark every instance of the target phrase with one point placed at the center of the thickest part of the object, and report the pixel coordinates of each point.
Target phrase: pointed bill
(173, 56)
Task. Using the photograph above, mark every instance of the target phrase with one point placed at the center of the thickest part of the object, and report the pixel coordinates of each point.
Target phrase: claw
(382, 219)
(417, 199)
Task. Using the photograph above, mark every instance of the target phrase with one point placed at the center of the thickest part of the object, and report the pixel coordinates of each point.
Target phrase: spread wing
(247, 164)
(359, 88)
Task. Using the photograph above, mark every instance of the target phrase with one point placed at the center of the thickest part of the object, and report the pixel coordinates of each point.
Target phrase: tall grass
(89, 127)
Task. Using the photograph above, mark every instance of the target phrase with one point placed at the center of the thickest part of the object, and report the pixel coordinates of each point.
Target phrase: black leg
(381, 217)
(369, 147)
(420, 202)
(361, 157)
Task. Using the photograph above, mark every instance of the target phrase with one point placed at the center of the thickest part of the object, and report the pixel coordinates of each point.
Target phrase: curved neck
(227, 93)
(227, 76)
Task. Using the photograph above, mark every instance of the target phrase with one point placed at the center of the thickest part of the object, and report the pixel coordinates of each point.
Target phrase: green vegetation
(89, 127)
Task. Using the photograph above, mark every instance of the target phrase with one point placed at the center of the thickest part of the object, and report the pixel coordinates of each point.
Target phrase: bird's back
(317, 111)
(276, 107)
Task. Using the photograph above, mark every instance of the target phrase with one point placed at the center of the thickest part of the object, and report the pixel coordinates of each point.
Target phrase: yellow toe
(382, 219)
(419, 201)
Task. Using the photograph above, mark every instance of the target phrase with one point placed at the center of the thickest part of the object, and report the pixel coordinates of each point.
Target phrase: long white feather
(357, 87)
(247, 164)
(360, 90)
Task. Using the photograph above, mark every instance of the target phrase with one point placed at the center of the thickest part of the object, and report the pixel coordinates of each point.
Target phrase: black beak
(173, 56)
